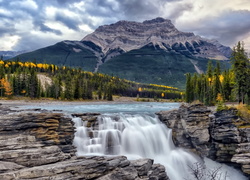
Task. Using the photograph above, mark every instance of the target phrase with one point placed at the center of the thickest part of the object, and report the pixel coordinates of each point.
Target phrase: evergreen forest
(37, 80)
(217, 86)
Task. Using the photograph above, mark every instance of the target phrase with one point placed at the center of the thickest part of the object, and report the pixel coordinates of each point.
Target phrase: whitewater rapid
(142, 136)
(133, 130)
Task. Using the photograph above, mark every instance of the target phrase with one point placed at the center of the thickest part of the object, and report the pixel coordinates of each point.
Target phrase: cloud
(45, 29)
(71, 23)
(228, 28)
(32, 24)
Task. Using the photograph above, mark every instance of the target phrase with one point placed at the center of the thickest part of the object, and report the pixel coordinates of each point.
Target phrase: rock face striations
(214, 135)
(190, 127)
(124, 36)
(38, 145)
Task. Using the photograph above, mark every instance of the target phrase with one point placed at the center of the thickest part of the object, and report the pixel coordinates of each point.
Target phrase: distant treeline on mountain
(37, 80)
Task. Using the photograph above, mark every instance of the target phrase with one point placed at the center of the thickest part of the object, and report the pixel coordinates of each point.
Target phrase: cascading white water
(139, 136)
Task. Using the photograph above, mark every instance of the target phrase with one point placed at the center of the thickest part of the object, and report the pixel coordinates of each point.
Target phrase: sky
(32, 24)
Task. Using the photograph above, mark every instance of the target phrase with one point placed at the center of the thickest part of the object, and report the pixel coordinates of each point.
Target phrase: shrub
(244, 112)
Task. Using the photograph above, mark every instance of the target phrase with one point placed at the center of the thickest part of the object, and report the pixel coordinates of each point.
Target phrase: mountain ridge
(129, 35)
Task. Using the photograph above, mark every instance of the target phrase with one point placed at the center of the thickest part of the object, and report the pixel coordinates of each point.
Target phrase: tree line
(29, 79)
(220, 86)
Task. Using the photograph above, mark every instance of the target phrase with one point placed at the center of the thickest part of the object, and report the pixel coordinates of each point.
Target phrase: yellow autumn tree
(4, 84)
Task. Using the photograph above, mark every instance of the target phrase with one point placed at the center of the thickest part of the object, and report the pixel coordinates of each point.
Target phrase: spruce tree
(189, 91)
(216, 83)
(240, 64)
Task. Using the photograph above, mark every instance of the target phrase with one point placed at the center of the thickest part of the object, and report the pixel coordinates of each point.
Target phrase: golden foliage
(163, 86)
(219, 97)
(4, 84)
(244, 111)
(221, 78)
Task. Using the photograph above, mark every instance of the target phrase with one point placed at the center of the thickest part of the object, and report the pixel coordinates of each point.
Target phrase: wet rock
(91, 119)
(190, 127)
(142, 166)
(157, 172)
(214, 135)
(38, 145)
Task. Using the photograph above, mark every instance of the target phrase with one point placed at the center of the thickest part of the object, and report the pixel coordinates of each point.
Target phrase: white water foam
(141, 136)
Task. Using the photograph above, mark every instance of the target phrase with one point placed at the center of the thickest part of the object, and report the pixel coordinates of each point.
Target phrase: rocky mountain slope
(153, 51)
(125, 36)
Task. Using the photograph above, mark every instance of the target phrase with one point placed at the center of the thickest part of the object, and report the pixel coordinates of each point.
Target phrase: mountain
(10, 54)
(153, 51)
(126, 36)
(66, 53)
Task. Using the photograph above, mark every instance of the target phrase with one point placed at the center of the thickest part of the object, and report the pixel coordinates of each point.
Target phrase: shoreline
(25, 102)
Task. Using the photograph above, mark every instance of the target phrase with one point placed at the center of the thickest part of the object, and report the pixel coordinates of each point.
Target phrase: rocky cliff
(125, 36)
(38, 145)
(216, 135)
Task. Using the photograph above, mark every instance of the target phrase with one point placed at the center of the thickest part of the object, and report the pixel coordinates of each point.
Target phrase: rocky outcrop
(216, 135)
(38, 145)
(32, 139)
(224, 135)
(190, 127)
(89, 118)
(126, 35)
(109, 168)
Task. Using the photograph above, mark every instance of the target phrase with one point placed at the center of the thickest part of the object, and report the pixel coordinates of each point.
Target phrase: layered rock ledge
(38, 145)
(211, 134)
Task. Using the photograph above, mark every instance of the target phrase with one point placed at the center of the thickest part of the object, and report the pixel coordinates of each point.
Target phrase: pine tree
(241, 69)
(99, 92)
(109, 92)
(216, 84)
(33, 85)
(189, 92)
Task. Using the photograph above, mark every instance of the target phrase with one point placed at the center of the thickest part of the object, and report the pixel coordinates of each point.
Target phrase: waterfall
(139, 136)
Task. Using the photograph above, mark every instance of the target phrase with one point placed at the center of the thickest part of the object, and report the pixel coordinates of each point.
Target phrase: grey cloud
(179, 10)
(105, 9)
(227, 28)
(141, 9)
(67, 21)
(65, 2)
(28, 42)
(45, 28)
